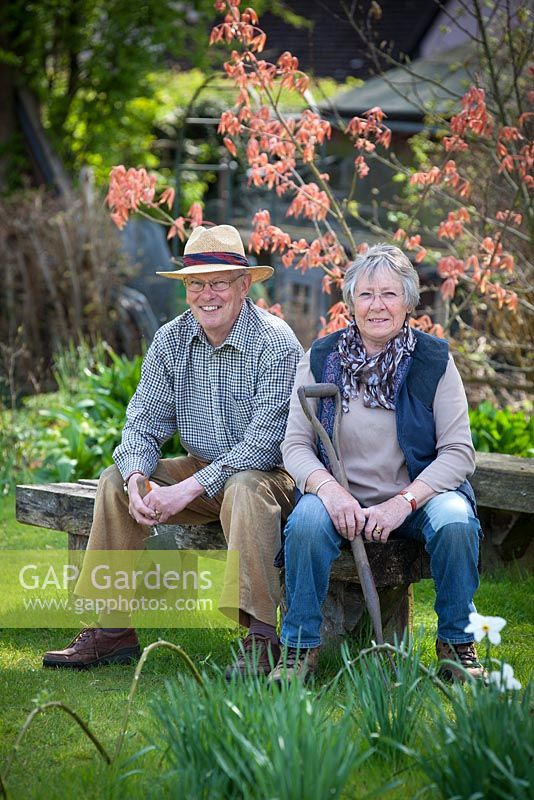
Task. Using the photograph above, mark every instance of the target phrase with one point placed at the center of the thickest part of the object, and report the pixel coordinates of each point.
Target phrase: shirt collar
(237, 337)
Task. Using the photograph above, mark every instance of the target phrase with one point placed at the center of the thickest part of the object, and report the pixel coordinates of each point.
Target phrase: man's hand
(344, 511)
(137, 508)
(166, 501)
(384, 518)
(162, 502)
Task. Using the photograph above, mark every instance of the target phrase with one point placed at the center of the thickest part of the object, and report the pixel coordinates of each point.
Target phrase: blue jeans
(446, 525)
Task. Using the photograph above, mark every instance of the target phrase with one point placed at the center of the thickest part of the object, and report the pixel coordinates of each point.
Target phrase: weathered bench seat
(504, 486)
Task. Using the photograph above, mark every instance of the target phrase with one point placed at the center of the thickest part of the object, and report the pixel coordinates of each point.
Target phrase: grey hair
(382, 256)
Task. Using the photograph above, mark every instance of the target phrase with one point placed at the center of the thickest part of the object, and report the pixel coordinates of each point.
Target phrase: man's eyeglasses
(196, 286)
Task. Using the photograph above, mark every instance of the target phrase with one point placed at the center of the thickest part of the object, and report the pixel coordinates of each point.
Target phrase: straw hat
(216, 249)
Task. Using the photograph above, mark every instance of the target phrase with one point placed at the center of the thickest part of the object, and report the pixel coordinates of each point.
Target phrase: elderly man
(221, 374)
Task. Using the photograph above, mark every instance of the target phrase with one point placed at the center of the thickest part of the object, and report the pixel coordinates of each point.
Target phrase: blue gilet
(415, 387)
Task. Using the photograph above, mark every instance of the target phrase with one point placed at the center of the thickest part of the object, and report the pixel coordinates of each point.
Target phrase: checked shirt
(229, 403)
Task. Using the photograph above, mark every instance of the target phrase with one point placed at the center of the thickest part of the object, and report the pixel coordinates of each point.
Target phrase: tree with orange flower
(477, 242)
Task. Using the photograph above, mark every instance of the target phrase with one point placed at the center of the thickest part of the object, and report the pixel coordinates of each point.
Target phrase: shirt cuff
(127, 466)
(212, 478)
(134, 472)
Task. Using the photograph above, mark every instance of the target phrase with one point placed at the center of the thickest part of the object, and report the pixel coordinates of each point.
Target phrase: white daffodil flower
(481, 626)
(504, 678)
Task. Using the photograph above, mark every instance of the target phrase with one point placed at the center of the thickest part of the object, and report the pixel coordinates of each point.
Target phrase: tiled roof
(432, 84)
(331, 47)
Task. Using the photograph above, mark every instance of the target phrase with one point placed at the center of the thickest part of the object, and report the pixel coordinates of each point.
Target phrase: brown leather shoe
(295, 664)
(257, 656)
(465, 655)
(93, 647)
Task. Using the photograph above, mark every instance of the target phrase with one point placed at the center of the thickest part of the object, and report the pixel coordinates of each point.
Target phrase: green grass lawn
(56, 760)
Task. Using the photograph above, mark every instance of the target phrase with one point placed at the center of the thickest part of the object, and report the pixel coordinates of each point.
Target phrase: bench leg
(344, 611)
(77, 542)
(396, 604)
(507, 538)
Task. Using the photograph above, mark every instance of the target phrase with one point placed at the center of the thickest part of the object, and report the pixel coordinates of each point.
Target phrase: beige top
(372, 456)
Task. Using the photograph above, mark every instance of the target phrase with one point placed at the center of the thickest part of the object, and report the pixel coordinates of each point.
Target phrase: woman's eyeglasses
(386, 297)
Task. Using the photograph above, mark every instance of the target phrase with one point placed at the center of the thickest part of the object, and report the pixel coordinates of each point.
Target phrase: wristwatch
(410, 498)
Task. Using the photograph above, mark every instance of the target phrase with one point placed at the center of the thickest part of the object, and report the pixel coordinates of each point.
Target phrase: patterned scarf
(374, 374)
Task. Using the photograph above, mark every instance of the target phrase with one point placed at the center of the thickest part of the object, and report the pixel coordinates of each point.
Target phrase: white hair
(382, 256)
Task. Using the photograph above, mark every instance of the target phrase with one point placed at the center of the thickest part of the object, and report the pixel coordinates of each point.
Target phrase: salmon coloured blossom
(128, 190)
(453, 226)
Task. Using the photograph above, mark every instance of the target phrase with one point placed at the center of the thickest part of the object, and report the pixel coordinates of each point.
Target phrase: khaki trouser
(252, 509)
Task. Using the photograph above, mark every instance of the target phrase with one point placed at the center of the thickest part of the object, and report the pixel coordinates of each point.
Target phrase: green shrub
(246, 740)
(88, 370)
(388, 700)
(486, 750)
(17, 448)
(497, 430)
(72, 433)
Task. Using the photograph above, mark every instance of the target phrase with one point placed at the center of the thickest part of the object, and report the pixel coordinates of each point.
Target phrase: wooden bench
(504, 486)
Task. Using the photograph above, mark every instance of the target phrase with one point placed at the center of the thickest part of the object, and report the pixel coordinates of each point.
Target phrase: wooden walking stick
(320, 391)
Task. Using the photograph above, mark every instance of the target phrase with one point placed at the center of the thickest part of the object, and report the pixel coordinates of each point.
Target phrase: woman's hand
(344, 511)
(384, 518)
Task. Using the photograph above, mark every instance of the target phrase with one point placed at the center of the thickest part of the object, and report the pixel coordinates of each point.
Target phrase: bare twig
(135, 682)
(498, 383)
(29, 722)
(393, 62)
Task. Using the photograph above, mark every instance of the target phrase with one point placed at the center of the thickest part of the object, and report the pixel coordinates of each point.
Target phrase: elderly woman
(407, 451)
